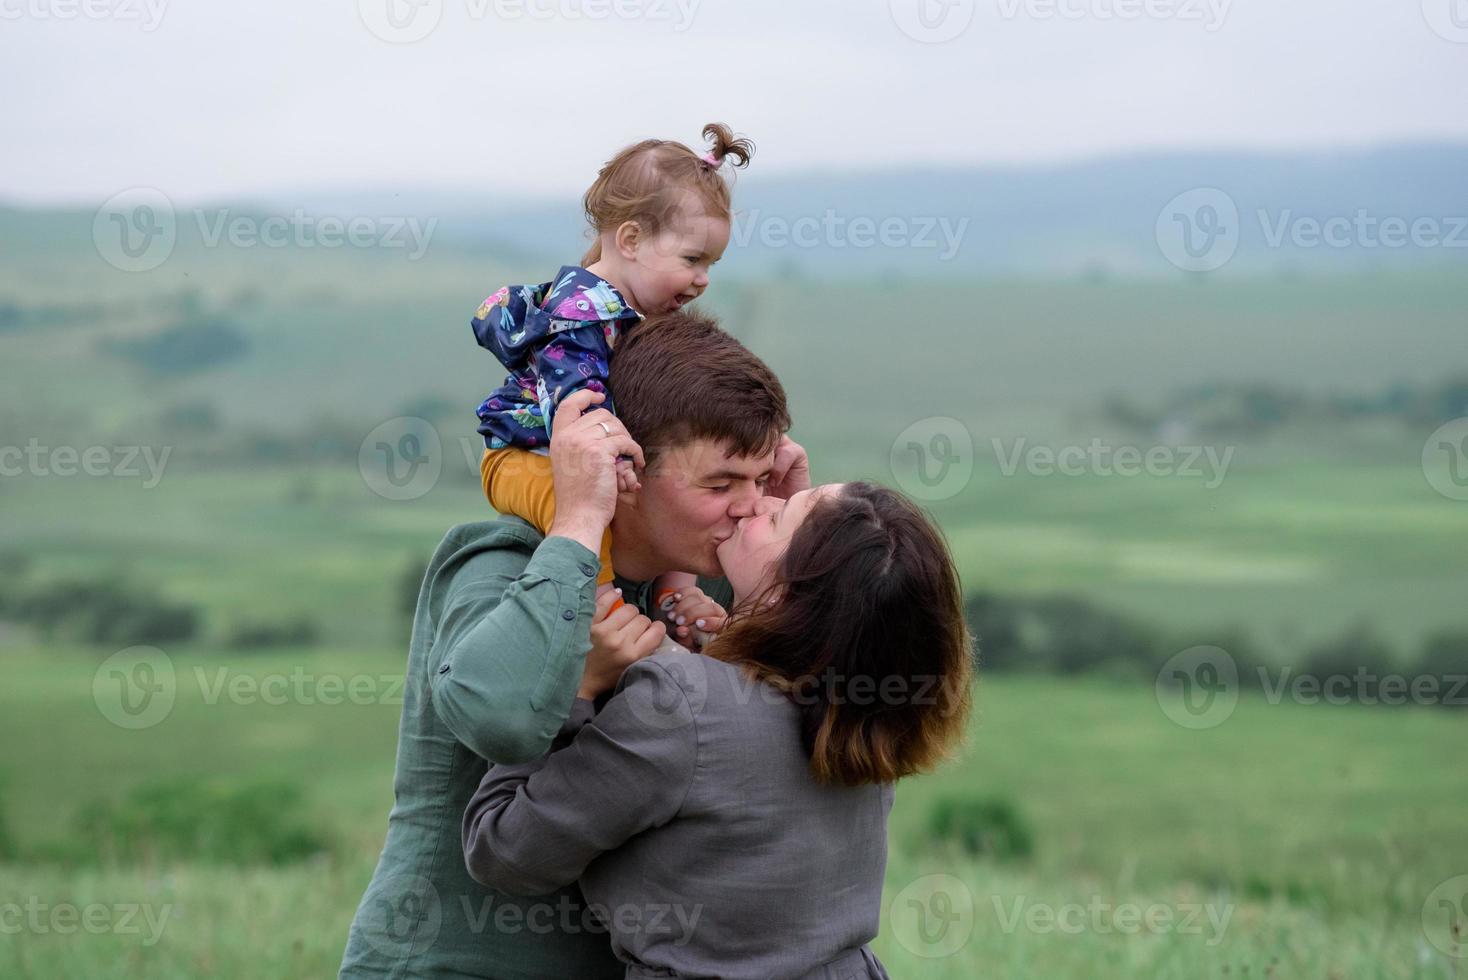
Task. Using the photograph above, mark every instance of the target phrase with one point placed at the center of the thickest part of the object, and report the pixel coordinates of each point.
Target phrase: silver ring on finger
(605, 428)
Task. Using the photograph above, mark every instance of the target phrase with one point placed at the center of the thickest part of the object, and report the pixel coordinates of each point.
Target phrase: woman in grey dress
(726, 813)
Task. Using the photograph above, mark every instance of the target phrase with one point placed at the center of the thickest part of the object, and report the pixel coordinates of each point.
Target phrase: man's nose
(746, 503)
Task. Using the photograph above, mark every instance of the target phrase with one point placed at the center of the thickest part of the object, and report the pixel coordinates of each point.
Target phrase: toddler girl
(660, 212)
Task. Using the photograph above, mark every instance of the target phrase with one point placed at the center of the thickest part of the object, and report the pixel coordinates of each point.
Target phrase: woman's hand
(790, 472)
(695, 617)
(584, 452)
(619, 638)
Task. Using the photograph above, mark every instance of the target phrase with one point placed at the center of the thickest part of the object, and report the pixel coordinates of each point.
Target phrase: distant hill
(1097, 217)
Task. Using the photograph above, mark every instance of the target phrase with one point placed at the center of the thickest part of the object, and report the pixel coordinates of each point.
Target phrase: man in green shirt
(504, 640)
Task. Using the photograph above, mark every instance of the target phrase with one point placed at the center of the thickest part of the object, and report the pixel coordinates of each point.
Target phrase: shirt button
(444, 669)
(588, 569)
(568, 615)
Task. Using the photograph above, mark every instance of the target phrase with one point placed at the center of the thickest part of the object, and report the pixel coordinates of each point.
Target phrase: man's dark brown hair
(679, 377)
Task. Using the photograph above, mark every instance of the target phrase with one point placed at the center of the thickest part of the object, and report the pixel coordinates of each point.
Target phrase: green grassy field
(1314, 836)
(1291, 552)
(1307, 838)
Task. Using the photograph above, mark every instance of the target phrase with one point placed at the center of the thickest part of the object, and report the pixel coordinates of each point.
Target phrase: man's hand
(696, 617)
(584, 452)
(619, 638)
(790, 473)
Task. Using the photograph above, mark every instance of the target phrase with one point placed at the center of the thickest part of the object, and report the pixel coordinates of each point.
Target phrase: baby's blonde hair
(646, 183)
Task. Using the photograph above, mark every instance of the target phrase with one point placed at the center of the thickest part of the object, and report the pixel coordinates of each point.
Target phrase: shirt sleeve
(531, 829)
(510, 644)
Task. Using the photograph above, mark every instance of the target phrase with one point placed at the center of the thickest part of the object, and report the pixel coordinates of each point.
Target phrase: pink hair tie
(710, 159)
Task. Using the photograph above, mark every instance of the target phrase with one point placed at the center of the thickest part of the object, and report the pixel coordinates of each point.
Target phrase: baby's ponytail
(726, 145)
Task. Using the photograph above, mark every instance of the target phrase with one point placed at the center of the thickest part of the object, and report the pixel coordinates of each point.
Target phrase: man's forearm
(509, 653)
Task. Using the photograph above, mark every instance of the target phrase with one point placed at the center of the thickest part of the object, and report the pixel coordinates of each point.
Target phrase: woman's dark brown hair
(647, 181)
(866, 636)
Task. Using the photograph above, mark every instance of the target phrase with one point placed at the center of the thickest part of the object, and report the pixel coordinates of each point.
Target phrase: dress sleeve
(533, 828)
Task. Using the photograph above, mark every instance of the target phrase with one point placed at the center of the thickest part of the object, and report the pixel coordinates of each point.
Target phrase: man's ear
(628, 235)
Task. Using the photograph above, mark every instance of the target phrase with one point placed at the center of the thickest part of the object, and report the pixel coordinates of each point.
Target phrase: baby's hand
(627, 481)
(695, 618)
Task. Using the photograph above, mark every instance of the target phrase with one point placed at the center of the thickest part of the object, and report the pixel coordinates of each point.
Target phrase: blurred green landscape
(263, 547)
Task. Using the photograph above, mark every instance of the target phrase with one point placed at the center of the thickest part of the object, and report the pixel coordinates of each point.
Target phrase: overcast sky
(204, 98)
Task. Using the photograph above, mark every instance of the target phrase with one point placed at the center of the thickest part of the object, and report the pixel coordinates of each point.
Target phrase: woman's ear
(627, 236)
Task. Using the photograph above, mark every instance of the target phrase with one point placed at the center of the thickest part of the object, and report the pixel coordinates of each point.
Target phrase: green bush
(1445, 657)
(1057, 634)
(982, 827)
(103, 611)
(7, 842)
(1358, 648)
(259, 634)
(183, 348)
(217, 821)
(1444, 654)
